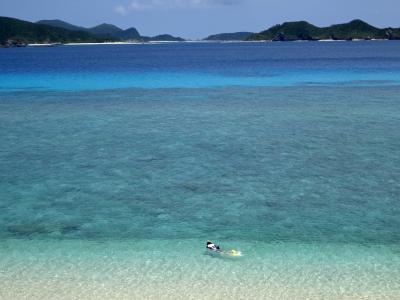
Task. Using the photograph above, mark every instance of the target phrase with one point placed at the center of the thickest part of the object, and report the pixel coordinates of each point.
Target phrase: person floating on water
(211, 246)
(215, 248)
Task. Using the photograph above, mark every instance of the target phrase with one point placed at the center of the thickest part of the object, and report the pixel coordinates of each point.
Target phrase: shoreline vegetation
(186, 41)
(304, 31)
(19, 33)
(354, 30)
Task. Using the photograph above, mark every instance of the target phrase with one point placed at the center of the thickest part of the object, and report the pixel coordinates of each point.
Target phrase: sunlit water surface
(110, 190)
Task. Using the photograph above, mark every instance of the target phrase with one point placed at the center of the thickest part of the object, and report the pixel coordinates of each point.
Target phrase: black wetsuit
(212, 247)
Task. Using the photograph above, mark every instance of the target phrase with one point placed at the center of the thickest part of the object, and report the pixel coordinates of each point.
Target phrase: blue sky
(199, 18)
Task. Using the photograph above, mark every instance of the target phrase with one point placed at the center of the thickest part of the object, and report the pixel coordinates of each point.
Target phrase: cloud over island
(140, 5)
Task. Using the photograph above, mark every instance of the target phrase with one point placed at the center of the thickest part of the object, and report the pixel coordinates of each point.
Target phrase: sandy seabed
(167, 269)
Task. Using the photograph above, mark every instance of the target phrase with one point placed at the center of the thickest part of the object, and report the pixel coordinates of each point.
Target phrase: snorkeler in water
(215, 248)
(211, 246)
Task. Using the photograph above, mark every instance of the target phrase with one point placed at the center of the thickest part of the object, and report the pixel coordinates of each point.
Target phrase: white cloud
(120, 9)
(139, 5)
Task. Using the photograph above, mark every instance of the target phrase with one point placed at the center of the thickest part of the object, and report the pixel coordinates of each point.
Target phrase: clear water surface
(118, 162)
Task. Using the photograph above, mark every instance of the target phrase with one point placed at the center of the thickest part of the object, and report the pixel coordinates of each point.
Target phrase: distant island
(304, 31)
(235, 36)
(17, 33)
(162, 38)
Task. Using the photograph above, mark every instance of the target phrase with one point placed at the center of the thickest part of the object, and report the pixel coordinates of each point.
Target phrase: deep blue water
(200, 65)
(247, 141)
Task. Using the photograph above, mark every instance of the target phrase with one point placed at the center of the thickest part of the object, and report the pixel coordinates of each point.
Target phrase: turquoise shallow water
(179, 269)
(297, 164)
(114, 191)
(99, 81)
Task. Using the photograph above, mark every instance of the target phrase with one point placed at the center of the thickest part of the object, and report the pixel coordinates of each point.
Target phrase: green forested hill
(234, 36)
(57, 31)
(28, 32)
(61, 24)
(111, 31)
(163, 38)
(103, 30)
(302, 30)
